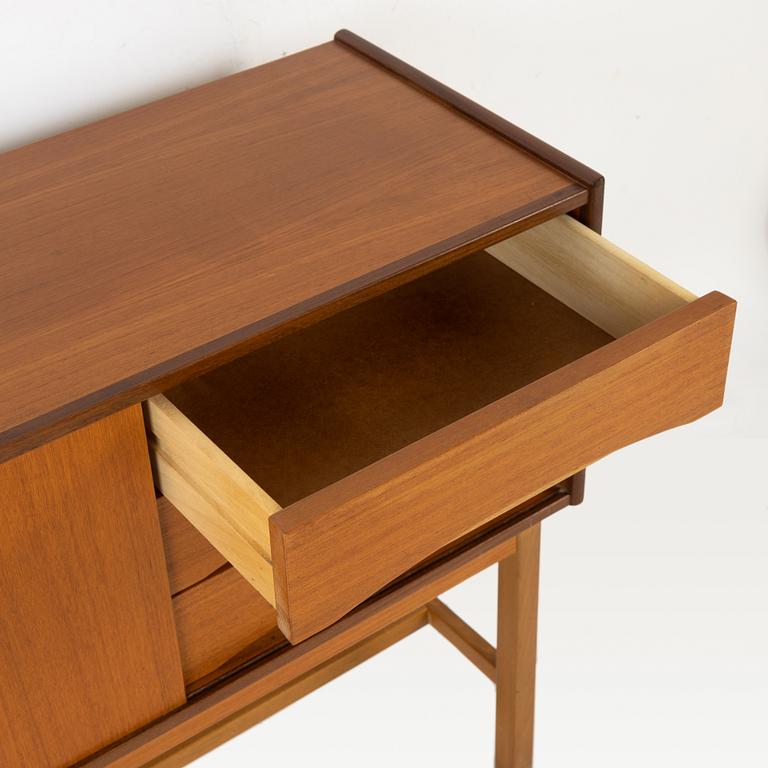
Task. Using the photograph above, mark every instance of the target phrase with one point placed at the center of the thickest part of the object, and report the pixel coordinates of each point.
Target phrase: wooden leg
(516, 652)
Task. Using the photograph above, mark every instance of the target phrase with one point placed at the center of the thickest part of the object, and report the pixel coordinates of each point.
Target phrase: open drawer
(328, 463)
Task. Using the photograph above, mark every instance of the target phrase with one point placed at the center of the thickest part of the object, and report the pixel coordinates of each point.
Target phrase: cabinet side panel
(88, 650)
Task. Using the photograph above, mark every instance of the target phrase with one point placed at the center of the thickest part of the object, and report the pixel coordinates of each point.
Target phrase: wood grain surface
(333, 549)
(251, 685)
(304, 685)
(140, 247)
(88, 650)
(590, 213)
(518, 614)
(213, 492)
(591, 275)
(467, 641)
(188, 555)
(322, 403)
(222, 622)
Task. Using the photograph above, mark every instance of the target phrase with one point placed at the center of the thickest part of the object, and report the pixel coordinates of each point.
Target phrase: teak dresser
(285, 357)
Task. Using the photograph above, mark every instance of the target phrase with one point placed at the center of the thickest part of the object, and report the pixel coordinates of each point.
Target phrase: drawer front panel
(342, 544)
(222, 623)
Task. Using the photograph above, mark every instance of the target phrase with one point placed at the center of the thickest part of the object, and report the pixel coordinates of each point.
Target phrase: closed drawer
(328, 463)
(221, 621)
(189, 557)
(221, 624)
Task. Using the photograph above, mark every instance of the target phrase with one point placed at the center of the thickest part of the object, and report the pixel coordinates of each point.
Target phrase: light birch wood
(601, 282)
(213, 493)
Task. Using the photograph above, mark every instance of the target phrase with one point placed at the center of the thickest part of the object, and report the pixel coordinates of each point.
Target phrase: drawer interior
(325, 401)
(318, 405)
(238, 444)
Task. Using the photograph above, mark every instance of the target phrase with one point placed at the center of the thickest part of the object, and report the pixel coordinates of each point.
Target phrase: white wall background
(654, 625)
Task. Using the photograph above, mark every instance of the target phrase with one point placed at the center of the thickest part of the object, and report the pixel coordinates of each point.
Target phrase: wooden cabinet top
(159, 242)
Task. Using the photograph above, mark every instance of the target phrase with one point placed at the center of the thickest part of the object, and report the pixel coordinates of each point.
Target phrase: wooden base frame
(512, 664)
(221, 712)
